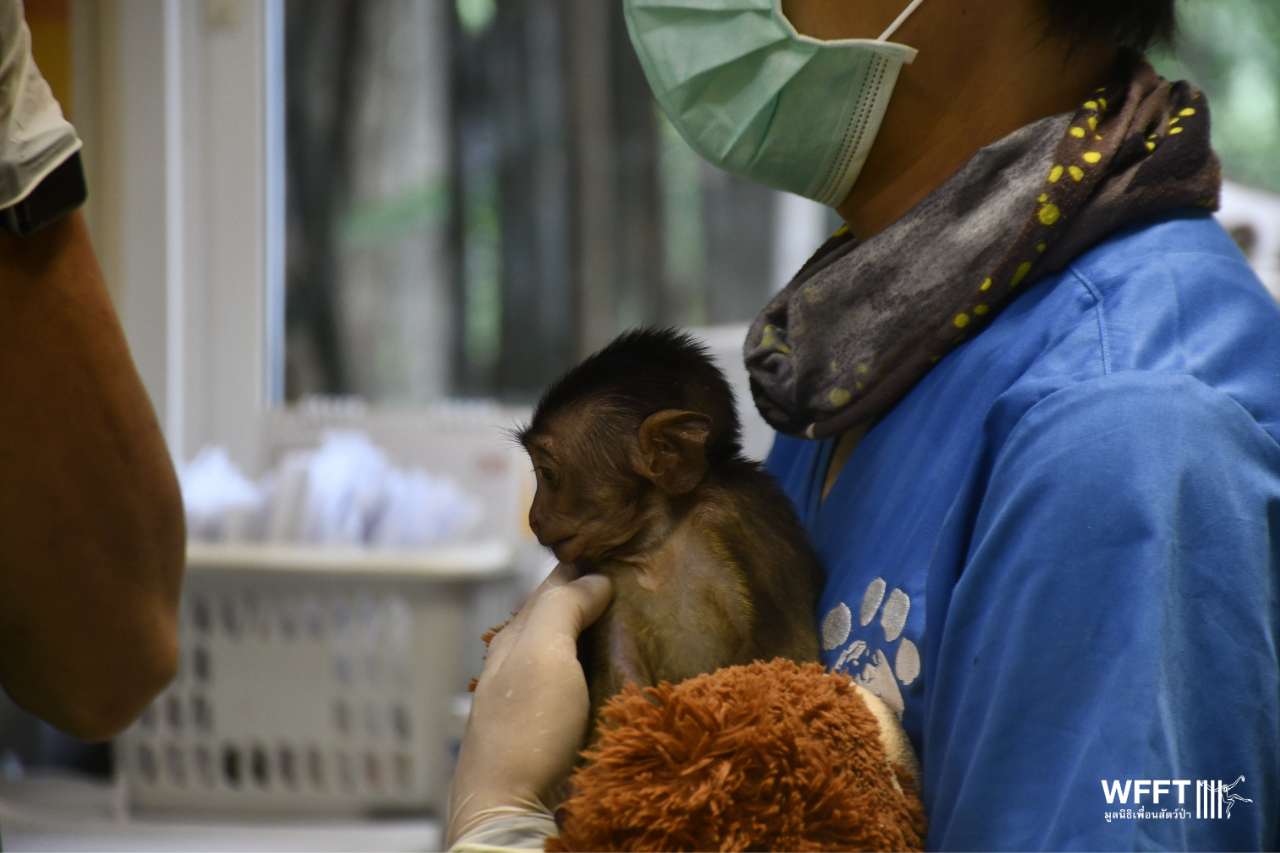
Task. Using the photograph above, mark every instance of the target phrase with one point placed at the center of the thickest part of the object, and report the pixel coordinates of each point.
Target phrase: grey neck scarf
(862, 322)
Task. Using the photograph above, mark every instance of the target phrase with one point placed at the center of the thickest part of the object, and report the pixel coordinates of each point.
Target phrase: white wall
(176, 150)
(1260, 211)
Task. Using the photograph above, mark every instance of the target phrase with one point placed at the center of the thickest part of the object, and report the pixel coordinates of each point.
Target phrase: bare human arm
(91, 523)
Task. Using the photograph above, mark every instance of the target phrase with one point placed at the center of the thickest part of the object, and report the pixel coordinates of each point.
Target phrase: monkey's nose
(535, 526)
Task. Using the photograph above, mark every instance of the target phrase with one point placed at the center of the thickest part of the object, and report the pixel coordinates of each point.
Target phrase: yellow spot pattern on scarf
(1020, 273)
(770, 340)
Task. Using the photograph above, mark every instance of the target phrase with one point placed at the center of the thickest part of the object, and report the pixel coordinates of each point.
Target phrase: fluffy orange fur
(768, 756)
(487, 638)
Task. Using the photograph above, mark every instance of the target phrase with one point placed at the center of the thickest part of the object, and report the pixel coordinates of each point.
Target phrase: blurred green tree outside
(1231, 50)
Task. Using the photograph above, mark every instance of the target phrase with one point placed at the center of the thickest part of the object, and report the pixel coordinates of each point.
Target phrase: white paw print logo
(869, 666)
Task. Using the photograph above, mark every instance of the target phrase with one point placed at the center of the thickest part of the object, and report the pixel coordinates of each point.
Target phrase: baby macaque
(640, 477)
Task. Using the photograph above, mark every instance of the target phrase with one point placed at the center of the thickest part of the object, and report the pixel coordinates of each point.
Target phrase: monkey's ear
(673, 450)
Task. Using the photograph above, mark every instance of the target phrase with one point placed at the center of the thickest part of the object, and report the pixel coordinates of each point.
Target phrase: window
(497, 197)
(478, 193)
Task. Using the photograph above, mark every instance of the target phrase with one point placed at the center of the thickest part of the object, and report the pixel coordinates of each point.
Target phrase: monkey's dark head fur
(642, 372)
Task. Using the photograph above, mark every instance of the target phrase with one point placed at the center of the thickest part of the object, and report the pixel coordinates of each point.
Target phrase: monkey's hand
(528, 718)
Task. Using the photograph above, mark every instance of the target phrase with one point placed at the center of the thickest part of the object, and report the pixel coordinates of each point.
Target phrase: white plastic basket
(311, 680)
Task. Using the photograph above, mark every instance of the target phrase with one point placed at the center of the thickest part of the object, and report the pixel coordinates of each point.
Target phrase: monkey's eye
(548, 476)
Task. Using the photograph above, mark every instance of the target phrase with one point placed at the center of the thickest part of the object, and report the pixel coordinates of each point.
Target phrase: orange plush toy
(768, 756)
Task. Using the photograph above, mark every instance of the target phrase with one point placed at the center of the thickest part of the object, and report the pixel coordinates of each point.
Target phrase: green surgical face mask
(756, 98)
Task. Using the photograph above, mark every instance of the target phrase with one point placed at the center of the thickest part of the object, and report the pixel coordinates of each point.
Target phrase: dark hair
(1136, 24)
(642, 372)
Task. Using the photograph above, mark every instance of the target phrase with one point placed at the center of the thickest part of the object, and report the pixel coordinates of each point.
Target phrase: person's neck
(924, 139)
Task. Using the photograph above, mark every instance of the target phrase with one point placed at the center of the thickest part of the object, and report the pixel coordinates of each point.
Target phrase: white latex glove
(34, 137)
(528, 717)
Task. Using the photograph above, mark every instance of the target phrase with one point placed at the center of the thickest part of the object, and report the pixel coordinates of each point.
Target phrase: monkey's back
(738, 581)
(761, 532)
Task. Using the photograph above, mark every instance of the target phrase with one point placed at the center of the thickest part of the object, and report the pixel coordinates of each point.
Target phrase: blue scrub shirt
(1057, 557)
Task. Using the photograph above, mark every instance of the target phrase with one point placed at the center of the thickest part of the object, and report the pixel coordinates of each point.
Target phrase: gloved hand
(528, 717)
(34, 137)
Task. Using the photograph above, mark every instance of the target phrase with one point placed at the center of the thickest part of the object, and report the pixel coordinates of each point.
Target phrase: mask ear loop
(900, 20)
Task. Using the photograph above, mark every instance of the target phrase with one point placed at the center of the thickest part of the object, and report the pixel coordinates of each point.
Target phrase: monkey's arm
(609, 652)
(759, 543)
(735, 582)
(677, 613)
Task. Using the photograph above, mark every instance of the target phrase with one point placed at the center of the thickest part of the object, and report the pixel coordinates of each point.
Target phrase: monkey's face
(581, 511)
